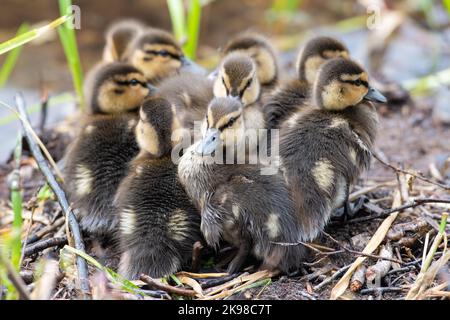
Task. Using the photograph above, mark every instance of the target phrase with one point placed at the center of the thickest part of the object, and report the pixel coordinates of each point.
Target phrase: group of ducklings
(128, 191)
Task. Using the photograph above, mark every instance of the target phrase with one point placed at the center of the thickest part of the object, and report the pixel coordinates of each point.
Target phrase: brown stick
(418, 176)
(165, 287)
(39, 234)
(44, 244)
(385, 213)
(373, 256)
(59, 193)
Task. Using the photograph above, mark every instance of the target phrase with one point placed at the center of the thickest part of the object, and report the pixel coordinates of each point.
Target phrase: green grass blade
(193, 28)
(17, 201)
(69, 43)
(447, 6)
(11, 59)
(176, 11)
(30, 35)
(112, 276)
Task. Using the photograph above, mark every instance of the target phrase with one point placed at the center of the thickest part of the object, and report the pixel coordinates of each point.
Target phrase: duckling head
(315, 52)
(342, 83)
(155, 126)
(223, 125)
(118, 38)
(238, 78)
(261, 51)
(156, 53)
(117, 88)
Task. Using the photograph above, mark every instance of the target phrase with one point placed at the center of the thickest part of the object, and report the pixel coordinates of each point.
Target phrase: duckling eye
(231, 122)
(134, 82)
(163, 53)
(358, 82)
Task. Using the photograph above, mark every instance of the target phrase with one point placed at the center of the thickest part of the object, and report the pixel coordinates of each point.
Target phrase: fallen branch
(152, 283)
(60, 195)
(39, 234)
(375, 273)
(44, 244)
(338, 273)
(415, 175)
(368, 255)
(216, 282)
(413, 204)
(381, 290)
(358, 279)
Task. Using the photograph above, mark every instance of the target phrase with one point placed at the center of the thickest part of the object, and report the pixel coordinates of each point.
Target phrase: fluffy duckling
(296, 92)
(189, 94)
(97, 160)
(238, 78)
(237, 203)
(325, 146)
(158, 55)
(115, 88)
(118, 38)
(158, 223)
(261, 51)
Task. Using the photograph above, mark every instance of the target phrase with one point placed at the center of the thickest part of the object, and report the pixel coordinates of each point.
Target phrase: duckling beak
(151, 89)
(191, 66)
(375, 95)
(209, 143)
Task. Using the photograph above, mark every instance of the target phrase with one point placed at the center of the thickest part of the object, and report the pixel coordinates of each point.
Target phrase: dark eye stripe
(355, 82)
(229, 123)
(249, 82)
(226, 88)
(163, 53)
(127, 83)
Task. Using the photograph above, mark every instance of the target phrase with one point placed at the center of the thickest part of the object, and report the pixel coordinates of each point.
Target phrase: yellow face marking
(312, 64)
(273, 226)
(130, 97)
(330, 54)
(83, 180)
(323, 173)
(147, 138)
(155, 66)
(226, 118)
(338, 95)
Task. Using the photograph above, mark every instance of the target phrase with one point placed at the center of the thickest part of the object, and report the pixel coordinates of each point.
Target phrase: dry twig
(58, 191)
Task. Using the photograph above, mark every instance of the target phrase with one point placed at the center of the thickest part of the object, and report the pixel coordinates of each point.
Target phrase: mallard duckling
(97, 160)
(296, 92)
(114, 88)
(237, 203)
(325, 146)
(158, 223)
(261, 51)
(189, 94)
(118, 38)
(158, 55)
(238, 78)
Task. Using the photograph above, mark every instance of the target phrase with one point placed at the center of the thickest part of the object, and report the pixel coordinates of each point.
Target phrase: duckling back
(158, 223)
(96, 162)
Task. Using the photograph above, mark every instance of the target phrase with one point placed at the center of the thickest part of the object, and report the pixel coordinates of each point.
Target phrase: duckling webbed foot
(196, 250)
(239, 259)
(349, 210)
